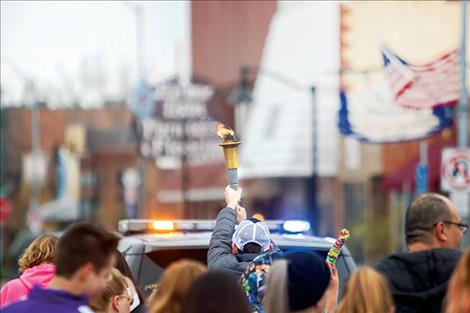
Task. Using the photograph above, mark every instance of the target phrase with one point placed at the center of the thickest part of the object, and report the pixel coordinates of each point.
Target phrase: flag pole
(462, 135)
(462, 113)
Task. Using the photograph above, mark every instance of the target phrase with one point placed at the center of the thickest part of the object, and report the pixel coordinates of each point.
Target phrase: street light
(139, 22)
(242, 98)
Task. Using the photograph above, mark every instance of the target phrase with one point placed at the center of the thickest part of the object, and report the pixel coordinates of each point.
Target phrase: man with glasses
(419, 277)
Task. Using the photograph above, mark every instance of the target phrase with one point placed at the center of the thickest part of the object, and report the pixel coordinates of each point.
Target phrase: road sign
(455, 170)
(421, 179)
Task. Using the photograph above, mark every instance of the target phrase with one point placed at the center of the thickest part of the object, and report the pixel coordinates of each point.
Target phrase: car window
(153, 264)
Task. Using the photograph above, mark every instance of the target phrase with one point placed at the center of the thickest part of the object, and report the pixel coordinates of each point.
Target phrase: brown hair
(459, 286)
(41, 250)
(366, 291)
(174, 286)
(114, 287)
(215, 292)
(276, 299)
(82, 243)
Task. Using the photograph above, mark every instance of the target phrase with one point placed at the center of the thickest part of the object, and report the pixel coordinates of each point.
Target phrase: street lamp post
(139, 22)
(242, 96)
(462, 135)
(314, 179)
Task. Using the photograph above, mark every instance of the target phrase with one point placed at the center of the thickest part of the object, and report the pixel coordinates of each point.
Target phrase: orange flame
(223, 131)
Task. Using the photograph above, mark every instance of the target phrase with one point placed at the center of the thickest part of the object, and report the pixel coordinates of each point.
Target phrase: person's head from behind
(42, 250)
(366, 291)
(432, 220)
(251, 237)
(121, 265)
(115, 298)
(85, 257)
(297, 283)
(174, 285)
(215, 292)
(459, 286)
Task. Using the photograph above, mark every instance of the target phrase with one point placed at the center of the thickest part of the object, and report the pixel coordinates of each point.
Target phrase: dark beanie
(308, 277)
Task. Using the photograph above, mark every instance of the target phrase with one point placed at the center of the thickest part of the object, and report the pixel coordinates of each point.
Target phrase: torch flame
(223, 131)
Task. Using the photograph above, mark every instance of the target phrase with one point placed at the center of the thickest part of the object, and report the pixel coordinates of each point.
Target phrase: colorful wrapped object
(334, 252)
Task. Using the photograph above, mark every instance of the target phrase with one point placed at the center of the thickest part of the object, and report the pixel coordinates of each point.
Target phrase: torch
(230, 145)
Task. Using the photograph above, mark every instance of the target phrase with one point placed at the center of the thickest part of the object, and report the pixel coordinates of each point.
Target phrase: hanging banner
(369, 115)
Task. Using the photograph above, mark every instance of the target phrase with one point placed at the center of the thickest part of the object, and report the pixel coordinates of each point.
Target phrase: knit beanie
(308, 279)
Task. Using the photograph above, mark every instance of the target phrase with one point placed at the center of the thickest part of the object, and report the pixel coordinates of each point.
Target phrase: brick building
(109, 149)
(225, 36)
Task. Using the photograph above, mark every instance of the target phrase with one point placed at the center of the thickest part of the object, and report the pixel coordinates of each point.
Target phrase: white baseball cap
(249, 231)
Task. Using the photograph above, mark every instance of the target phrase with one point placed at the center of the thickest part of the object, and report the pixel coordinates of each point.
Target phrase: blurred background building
(75, 133)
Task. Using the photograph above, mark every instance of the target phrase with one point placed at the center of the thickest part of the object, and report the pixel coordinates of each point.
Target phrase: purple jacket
(50, 301)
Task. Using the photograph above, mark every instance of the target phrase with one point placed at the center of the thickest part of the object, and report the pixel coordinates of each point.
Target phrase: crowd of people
(82, 271)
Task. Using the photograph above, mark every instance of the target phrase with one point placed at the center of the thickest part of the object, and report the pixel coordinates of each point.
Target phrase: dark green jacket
(419, 280)
(220, 256)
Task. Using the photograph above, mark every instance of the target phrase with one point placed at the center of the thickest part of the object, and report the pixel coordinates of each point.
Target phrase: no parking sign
(455, 170)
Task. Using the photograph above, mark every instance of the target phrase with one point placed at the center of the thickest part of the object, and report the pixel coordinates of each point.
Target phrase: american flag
(423, 86)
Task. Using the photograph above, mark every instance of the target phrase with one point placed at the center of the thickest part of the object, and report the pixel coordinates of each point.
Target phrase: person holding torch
(235, 240)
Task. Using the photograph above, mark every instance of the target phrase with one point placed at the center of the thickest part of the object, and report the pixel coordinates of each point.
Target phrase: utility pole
(139, 36)
(462, 115)
(139, 22)
(33, 215)
(462, 138)
(34, 218)
(139, 18)
(312, 192)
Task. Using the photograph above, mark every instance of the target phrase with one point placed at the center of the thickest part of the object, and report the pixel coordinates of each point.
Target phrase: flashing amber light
(163, 225)
(259, 216)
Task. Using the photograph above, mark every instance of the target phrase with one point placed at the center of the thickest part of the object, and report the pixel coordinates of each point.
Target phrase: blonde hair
(366, 291)
(174, 286)
(41, 250)
(114, 287)
(276, 299)
(459, 286)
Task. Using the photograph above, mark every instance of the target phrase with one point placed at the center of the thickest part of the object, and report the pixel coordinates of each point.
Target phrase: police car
(149, 246)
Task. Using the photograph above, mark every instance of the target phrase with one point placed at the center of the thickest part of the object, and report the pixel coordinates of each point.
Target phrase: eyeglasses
(462, 227)
(129, 299)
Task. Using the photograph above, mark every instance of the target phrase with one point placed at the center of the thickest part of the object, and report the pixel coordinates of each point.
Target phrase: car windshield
(154, 263)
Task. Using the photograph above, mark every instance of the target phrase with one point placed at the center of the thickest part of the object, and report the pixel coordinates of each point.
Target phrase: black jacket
(220, 256)
(418, 280)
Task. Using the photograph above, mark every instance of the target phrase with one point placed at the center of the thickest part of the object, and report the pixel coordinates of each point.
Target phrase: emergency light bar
(128, 226)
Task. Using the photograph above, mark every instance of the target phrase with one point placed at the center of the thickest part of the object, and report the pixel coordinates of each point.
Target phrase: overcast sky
(65, 45)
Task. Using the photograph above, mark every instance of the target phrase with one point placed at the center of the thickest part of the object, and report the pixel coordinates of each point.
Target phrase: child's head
(174, 285)
(85, 255)
(251, 237)
(115, 297)
(297, 283)
(41, 250)
(215, 292)
(366, 291)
